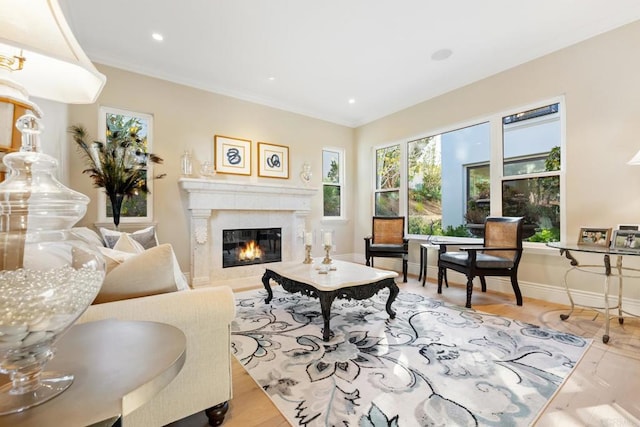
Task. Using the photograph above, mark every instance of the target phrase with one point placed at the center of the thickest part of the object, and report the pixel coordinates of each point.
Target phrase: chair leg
(368, 261)
(405, 267)
(516, 289)
(421, 265)
(469, 290)
(446, 281)
(483, 282)
(440, 274)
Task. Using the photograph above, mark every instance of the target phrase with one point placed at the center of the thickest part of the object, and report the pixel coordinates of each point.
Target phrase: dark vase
(116, 206)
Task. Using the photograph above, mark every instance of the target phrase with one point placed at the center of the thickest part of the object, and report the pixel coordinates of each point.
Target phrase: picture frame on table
(273, 160)
(594, 236)
(232, 155)
(628, 240)
(628, 227)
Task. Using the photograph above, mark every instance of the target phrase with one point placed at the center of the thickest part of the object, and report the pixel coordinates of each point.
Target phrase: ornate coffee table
(347, 281)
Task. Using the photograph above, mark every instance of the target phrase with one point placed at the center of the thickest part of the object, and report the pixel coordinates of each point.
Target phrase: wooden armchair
(387, 240)
(498, 255)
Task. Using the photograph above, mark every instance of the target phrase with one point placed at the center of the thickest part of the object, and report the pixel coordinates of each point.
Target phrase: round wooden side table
(117, 365)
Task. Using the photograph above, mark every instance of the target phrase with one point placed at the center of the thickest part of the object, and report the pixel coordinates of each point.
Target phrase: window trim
(402, 189)
(496, 159)
(102, 197)
(342, 183)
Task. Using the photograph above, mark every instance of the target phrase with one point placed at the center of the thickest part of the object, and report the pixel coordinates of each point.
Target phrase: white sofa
(144, 282)
(204, 315)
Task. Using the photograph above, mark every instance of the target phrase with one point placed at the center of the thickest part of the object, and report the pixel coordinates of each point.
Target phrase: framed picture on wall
(273, 160)
(594, 236)
(232, 155)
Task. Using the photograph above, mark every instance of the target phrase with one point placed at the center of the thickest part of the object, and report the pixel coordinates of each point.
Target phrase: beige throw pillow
(127, 244)
(114, 258)
(148, 273)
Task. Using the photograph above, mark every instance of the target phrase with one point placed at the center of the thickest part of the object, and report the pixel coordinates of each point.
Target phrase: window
(424, 189)
(531, 170)
(478, 194)
(443, 173)
(140, 207)
(456, 179)
(332, 182)
(387, 191)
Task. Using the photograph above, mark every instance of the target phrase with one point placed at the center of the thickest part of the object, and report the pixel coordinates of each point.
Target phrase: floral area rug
(433, 365)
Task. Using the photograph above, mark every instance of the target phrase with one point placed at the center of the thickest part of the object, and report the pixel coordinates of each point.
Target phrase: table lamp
(48, 275)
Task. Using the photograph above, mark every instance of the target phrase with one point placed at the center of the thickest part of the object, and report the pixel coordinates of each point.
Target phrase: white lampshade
(635, 160)
(55, 66)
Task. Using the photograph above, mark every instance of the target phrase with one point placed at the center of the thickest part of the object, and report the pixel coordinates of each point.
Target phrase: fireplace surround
(215, 205)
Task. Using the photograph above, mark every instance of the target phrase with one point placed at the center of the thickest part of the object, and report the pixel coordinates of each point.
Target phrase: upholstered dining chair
(387, 240)
(498, 255)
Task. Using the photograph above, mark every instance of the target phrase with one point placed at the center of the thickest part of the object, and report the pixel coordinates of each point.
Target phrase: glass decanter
(48, 274)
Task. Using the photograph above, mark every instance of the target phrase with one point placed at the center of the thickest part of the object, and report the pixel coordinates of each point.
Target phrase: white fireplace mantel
(213, 204)
(229, 195)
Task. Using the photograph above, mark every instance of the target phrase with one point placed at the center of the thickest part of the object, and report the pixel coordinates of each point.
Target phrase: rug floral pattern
(433, 365)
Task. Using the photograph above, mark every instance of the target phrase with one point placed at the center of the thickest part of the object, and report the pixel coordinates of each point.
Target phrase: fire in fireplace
(247, 246)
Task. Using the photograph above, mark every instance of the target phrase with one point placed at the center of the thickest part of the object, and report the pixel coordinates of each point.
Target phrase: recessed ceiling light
(271, 78)
(157, 36)
(352, 101)
(441, 55)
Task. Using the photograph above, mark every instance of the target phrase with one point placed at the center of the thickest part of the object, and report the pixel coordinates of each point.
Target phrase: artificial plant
(118, 165)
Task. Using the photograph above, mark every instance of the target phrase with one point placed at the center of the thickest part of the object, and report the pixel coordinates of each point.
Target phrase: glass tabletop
(605, 250)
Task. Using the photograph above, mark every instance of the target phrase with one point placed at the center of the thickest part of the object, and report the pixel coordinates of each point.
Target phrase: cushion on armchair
(388, 247)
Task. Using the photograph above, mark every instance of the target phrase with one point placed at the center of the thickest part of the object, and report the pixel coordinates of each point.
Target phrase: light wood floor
(602, 391)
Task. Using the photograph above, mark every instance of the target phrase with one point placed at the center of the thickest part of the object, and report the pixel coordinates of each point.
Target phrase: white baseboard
(540, 291)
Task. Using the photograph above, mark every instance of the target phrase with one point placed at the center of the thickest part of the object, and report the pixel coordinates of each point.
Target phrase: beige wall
(187, 119)
(599, 79)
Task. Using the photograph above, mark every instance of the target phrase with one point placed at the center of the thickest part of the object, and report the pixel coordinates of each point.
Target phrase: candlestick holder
(307, 255)
(327, 258)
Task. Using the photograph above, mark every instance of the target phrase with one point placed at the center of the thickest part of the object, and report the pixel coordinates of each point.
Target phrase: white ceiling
(321, 53)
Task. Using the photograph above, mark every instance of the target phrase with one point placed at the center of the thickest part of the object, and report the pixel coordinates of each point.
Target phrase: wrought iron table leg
(619, 268)
(393, 293)
(574, 263)
(265, 281)
(326, 299)
(607, 265)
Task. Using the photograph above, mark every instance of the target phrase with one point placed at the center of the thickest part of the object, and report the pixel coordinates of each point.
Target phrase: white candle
(308, 238)
(327, 238)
